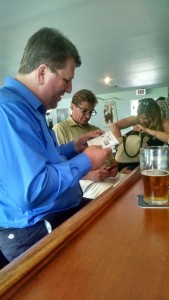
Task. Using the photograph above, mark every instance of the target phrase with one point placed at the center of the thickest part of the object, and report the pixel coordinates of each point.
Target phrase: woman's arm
(166, 125)
(123, 123)
(160, 135)
(127, 122)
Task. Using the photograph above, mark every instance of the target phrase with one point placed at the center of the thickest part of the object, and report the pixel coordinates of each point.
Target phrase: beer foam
(155, 172)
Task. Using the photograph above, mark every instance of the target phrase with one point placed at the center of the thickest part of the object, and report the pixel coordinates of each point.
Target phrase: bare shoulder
(166, 125)
(127, 122)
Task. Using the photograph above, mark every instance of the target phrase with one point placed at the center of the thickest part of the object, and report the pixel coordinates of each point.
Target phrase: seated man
(83, 107)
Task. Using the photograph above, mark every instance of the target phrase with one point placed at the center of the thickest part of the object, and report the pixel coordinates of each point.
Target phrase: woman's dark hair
(151, 109)
(48, 46)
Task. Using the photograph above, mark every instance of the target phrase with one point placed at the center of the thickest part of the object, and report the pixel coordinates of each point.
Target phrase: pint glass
(154, 166)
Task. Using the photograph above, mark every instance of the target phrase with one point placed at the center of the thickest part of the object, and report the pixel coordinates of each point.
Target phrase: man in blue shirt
(39, 180)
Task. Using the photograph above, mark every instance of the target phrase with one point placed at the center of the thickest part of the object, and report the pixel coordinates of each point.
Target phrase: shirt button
(11, 236)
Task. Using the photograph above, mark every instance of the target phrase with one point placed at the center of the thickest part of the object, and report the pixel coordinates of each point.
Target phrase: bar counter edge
(18, 272)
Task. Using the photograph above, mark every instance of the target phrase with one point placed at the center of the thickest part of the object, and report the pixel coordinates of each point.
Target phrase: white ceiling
(125, 39)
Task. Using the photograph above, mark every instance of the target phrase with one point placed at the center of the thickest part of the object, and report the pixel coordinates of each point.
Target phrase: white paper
(105, 140)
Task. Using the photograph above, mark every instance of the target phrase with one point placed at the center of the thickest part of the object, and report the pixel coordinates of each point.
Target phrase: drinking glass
(154, 166)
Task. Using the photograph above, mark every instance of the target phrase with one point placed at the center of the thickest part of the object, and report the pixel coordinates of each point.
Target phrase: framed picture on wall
(109, 112)
(61, 114)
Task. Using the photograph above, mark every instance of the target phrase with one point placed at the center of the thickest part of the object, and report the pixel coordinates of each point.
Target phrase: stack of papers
(105, 140)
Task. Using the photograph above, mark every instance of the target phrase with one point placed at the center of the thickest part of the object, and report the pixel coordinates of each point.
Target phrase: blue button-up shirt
(36, 175)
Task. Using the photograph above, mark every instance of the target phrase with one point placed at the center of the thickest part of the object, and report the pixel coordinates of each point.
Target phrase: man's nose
(88, 115)
(69, 88)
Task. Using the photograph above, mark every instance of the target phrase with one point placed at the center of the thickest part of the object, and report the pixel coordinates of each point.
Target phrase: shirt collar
(22, 90)
(72, 122)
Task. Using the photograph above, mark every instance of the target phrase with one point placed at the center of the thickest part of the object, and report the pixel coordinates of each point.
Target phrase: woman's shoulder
(165, 125)
(127, 122)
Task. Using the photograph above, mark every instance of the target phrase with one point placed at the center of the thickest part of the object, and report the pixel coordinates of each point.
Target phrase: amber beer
(155, 186)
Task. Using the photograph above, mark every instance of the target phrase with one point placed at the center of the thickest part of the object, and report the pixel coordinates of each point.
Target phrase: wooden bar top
(110, 250)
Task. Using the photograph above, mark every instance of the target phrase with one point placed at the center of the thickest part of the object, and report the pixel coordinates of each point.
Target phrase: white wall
(123, 104)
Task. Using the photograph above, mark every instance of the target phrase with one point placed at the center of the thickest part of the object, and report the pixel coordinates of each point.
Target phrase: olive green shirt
(69, 130)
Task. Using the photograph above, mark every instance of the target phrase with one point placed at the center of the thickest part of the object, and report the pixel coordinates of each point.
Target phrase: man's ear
(72, 106)
(42, 70)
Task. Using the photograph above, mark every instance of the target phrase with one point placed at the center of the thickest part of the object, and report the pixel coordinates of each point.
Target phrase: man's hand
(97, 156)
(81, 143)
(101, 174)
(113, 170)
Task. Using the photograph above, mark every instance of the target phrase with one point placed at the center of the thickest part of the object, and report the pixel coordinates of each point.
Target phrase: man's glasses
(86, 111)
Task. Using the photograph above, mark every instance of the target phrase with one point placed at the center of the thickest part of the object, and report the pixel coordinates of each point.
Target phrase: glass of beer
(154, 166)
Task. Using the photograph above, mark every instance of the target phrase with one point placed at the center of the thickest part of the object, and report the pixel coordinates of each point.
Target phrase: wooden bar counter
(110, 250)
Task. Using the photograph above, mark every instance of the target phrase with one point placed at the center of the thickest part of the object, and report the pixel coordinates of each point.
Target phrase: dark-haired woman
(149, 121)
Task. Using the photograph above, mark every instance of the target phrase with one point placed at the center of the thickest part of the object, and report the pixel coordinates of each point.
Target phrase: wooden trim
(18, 272)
